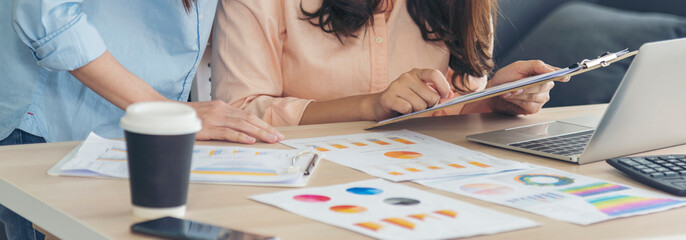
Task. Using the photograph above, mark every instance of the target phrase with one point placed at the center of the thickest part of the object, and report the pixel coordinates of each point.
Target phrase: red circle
(311, 198)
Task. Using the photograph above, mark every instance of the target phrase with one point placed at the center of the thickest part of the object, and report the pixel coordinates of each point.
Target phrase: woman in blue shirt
(72, 66)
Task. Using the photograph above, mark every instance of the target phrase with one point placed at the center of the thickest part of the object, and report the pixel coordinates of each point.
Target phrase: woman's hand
(412, 91)
(220, 121)
(523, 101)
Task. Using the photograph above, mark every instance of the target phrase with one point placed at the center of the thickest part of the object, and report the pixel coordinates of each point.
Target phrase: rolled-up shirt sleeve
(57, 32)
(247, 46)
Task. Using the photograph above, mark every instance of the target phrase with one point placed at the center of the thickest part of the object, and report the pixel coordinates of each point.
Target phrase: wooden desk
(89, 208)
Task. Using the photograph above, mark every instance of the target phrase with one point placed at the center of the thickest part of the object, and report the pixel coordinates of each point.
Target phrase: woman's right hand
(412, 91)
(220, 121)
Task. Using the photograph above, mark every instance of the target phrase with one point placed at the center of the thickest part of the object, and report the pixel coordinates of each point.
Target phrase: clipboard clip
(602, 60)
(294, 168)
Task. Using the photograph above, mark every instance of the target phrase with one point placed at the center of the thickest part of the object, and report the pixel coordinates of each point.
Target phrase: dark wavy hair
(187, 4)
(465, 26)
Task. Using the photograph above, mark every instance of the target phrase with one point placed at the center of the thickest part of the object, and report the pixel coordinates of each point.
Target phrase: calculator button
(661, 169)
(673, 161)
(652, 158)
(668, 165)
(670, 174)
(653, 165)
(681, 184)
(643, 161)
(660, 161)
(676, 168)
(682, 172)
(681, 164)
(657, 174)
(629, 162)
(647, 170)
(639, 167)
(667, 157)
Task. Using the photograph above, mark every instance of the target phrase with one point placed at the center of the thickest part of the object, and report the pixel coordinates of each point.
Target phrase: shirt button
(379, 39)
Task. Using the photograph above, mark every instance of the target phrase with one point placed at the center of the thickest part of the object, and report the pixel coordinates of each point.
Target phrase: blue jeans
(17, 227)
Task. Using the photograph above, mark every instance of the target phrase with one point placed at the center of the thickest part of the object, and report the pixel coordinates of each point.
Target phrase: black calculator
(664, 172)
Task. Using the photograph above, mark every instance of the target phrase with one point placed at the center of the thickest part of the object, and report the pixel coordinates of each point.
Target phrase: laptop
(647, 112)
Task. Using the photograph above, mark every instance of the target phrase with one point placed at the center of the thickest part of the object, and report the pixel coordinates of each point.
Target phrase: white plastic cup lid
(152, 213)
(160, 118)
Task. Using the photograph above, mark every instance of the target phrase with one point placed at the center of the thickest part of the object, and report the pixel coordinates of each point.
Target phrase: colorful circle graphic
(403, 154)
(486, 189)
(364, 191)
(542, 180)
(311, 198)
(348, 209)
(402, 201)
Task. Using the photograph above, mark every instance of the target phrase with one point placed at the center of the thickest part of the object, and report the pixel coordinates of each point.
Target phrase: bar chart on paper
(404, 155)
(231, 170)
(618, 205)
(114, 153)
(240, 164)
(100, 157)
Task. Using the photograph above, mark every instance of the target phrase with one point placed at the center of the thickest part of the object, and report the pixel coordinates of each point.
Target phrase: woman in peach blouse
(297, 62)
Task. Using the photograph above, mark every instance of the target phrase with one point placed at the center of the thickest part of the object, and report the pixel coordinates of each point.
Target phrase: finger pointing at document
(412, 91)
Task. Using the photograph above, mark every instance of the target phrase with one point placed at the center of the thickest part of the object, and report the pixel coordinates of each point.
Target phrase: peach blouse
(268, 61)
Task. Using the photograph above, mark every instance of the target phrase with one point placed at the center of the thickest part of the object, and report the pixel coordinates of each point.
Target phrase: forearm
(353, 108)
(108, 78)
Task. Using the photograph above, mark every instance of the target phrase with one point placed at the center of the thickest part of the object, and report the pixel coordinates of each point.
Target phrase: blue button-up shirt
(40, 40)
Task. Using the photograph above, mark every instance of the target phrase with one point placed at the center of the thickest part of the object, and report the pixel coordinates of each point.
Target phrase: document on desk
(100, 157)
(385, 210)
(404, 155)
(559, 195)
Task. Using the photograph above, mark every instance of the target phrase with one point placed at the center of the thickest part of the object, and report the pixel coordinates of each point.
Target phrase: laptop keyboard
(566, 145)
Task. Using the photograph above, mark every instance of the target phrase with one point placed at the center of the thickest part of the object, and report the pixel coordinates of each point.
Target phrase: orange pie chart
(348, 209)
(403, 154)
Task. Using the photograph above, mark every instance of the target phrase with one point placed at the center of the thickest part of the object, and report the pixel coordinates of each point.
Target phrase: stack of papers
(100, 157)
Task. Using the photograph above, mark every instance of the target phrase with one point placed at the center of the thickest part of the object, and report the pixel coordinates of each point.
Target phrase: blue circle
(364, 191)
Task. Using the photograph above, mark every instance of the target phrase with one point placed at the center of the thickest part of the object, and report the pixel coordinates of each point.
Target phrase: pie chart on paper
(311, 198)
(486, 189)
(403, 154)
(348, 209)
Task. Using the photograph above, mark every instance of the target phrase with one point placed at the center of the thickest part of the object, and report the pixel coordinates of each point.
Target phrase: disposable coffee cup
(159, 140)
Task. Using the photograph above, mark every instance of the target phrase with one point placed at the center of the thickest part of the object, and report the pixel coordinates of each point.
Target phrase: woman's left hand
(523, 101)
